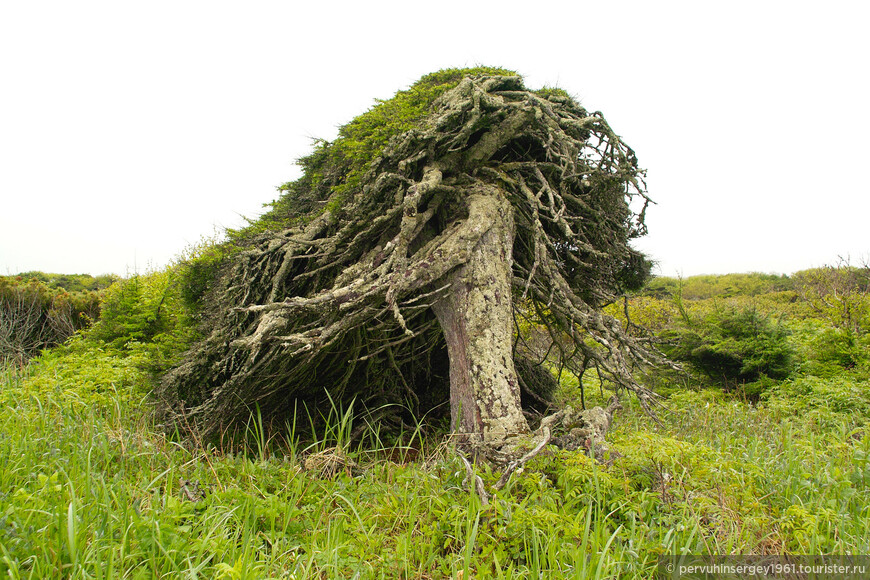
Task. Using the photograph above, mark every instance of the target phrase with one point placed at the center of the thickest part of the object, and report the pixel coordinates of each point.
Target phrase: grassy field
(89, 488)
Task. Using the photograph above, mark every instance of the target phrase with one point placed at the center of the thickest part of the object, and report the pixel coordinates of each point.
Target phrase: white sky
(129, 130)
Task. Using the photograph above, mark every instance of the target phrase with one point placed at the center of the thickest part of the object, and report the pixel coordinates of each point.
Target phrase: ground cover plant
(92, 487)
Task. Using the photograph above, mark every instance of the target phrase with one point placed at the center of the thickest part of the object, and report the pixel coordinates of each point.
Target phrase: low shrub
(35, 315)
(733, 346)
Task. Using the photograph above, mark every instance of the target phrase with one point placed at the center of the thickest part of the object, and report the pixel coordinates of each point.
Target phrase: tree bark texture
(500, 205)
(476, 318)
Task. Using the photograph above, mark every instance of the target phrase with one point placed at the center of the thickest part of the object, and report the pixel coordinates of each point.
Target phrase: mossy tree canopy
(330, 294)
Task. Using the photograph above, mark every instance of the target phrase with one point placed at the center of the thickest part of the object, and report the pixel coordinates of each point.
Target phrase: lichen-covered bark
(502, 207)
(476, 316)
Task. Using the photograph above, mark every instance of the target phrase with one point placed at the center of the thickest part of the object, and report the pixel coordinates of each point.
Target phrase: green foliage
(839, 294)
(633, 273)
(363, 139)
(147, 314)
(552, 93)
(72, 283)
(734, 346)
(90, 488)
(823, 311)
(88, 375)
(773, 471)
(717, 286)
(37, 312)
(839, 400)
(132, 310)
(198, 270)
(339, 166)
(843, 348)
(838, 299)
(826, 351)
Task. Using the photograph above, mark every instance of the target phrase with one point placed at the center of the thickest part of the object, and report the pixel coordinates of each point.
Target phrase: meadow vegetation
(766, 454)
(39, 310)
(108, 386)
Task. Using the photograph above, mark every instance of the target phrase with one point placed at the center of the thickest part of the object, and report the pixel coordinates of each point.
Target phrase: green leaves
(89, 487)
(338, 166)
(40, 310)
(860, 475)
(147, 314)
(734, 345)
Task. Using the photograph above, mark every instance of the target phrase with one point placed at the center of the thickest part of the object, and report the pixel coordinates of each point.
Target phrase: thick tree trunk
(476, 317)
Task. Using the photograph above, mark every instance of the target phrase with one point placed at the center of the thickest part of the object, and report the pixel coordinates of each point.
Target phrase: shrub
(147, 315)
(839, 294)
(717, 286)
(34, 315)
(734, 346)
(131, 311)
(198, 270)
(840, 347)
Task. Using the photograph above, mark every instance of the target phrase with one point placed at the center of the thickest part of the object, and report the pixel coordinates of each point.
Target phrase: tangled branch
(341, 300)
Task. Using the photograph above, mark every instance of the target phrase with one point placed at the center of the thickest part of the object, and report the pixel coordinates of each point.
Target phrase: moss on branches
(329, 295)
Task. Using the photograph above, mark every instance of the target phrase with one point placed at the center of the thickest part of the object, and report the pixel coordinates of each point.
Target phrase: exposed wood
(502, 201)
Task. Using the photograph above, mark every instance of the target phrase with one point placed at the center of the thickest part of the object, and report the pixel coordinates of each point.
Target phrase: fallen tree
(398, 269)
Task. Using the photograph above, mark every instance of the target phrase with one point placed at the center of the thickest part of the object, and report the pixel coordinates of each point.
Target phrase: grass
(90, 488)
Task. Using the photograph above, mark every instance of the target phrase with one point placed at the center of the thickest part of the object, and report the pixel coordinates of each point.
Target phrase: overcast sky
(130, 130)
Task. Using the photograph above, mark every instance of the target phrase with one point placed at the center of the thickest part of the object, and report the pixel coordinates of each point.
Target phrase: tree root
(585, 429)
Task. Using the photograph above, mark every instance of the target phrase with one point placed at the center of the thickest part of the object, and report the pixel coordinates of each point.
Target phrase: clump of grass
(90, 487)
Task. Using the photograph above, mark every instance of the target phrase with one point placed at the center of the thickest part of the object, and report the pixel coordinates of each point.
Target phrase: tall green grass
(91, 488)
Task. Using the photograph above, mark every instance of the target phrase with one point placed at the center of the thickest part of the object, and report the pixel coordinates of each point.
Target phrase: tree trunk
(476, 318)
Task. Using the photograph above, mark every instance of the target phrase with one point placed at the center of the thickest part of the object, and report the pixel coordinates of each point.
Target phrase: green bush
(199, 270)
(70, 282)
(35, 314)
(147, 313)
(840, 347)
(717, 286)
(733, 346)
(132, 311)
(839, 294)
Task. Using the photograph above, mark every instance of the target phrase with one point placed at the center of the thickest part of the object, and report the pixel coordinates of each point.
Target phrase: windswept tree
(396, 270)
